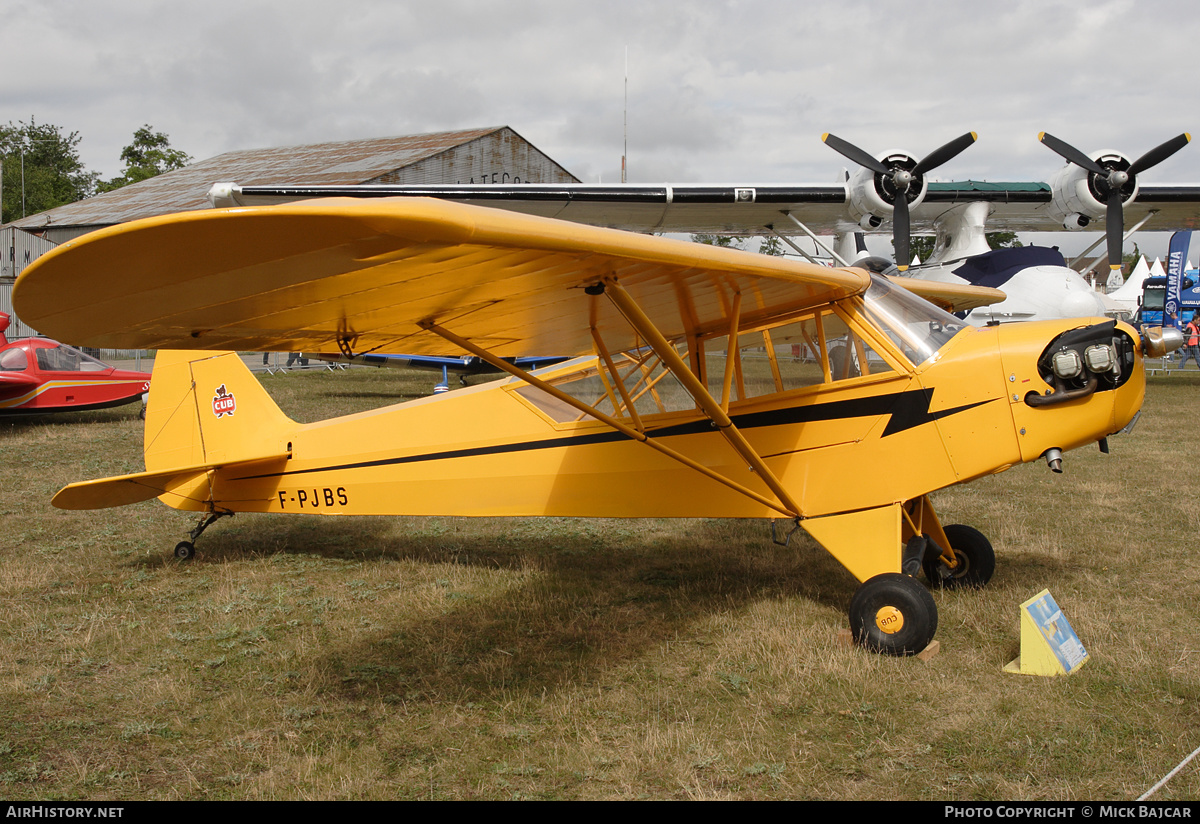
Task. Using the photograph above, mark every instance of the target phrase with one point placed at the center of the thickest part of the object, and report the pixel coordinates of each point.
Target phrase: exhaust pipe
(1053, 458)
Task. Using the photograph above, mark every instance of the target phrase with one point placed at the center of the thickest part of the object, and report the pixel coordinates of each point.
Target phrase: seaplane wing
(750, 208)
(353, 276)
(666, 208)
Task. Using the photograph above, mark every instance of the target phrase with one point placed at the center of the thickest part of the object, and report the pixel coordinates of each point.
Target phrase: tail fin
(206, 409)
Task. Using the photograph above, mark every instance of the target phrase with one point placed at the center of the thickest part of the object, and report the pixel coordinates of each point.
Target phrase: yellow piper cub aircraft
(711, 382)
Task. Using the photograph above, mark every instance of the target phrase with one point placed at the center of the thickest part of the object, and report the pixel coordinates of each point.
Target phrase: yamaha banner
(1176, 260)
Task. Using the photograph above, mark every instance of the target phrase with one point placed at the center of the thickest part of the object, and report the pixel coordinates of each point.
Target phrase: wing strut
(815, 239)
(784, 505)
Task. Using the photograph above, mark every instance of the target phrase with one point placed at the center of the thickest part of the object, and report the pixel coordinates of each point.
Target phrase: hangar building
(489, 155)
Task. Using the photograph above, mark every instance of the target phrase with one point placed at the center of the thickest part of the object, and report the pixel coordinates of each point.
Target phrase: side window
(67, 359)
(800, 352)
(850, 356)
(812, 350)
(14, 360)
(651, 388)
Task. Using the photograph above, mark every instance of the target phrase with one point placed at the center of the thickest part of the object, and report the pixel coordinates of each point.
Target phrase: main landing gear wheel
(185, 550)
(974, 554)
(894, 614)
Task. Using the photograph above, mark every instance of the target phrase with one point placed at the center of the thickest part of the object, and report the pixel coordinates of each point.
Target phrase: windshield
(63, 358)
(918, 327)
(1154, 298)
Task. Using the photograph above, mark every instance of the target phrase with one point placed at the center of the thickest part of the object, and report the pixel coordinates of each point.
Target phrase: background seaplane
(39, 375)
(711, 382)
(889, 192)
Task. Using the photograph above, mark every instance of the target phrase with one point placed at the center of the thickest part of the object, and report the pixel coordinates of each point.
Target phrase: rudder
(208, 408)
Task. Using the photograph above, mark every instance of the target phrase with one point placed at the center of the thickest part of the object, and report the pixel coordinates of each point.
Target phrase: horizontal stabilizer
(141, 486)
(123, 489)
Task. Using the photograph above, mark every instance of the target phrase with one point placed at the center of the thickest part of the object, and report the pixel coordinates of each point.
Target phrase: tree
(42, 169)
(150, 154)
(920, 246)
(1003, 240)
(1130, 259)
(771, 245)
(727, 241)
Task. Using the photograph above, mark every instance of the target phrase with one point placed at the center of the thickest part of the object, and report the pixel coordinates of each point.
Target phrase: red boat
(40, 375)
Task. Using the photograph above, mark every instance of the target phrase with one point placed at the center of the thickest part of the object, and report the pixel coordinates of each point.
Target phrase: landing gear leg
(974, 560)
(953, 557)
(186, 550)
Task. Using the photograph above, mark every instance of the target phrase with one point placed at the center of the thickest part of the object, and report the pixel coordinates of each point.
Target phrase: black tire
(185, 550)
(894, 614)
(974, 554)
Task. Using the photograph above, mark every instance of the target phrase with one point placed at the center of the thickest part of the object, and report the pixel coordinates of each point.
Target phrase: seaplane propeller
(899, 180)
(1112, 180)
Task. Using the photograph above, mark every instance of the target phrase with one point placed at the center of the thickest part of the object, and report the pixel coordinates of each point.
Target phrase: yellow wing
(324, 275)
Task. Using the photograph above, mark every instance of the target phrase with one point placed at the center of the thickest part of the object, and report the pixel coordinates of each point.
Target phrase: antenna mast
(625, 150)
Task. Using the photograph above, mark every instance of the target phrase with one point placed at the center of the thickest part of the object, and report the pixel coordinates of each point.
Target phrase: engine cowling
(872, 194)
(1079, 196)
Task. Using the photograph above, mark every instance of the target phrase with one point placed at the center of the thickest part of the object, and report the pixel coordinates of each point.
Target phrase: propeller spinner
(1113, 181)
(899, 180)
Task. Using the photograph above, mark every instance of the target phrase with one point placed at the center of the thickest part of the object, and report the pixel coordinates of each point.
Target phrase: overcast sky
(718, 91)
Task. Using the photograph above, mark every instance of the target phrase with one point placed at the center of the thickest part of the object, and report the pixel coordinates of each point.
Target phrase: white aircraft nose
(1082, 305)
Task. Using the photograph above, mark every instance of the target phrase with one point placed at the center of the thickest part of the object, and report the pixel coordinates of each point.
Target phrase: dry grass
(558, 658)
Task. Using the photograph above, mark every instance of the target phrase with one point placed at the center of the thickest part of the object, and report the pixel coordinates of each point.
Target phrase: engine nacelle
(1077, 198)
(871, 195)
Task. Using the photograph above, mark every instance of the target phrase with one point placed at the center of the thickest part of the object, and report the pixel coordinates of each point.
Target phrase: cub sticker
(223, 402)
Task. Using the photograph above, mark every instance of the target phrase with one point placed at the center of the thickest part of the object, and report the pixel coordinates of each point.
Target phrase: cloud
(718, 91)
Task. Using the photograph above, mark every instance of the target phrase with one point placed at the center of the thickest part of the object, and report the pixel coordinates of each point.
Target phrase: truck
(1154, 296)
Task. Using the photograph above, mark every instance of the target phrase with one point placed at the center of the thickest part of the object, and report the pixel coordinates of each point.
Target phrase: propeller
(1113, 182)
(896, 180)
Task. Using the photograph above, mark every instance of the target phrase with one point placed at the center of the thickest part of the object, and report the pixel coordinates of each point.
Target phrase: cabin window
(650, 387)
(64, 358)
(814, 349)
(14, 360)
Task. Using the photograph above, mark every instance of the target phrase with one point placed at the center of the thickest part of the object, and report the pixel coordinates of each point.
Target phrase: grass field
(438, 658)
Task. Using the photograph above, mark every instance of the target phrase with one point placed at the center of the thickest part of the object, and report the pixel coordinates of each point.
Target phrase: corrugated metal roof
(343, 162)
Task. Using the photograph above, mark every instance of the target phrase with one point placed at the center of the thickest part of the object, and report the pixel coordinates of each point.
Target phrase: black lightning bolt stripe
(908, 409)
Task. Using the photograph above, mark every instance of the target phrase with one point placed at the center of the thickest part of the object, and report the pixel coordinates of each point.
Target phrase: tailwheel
(975, 560)
(186, 550)
(894, 614)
